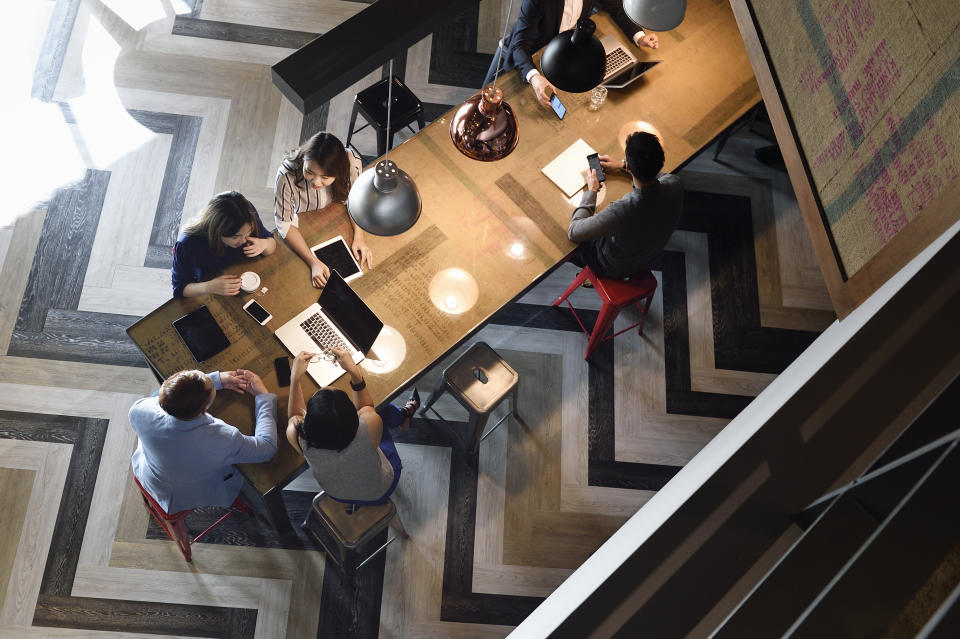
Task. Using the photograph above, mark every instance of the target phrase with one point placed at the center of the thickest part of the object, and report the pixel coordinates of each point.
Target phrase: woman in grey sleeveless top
(351, 454)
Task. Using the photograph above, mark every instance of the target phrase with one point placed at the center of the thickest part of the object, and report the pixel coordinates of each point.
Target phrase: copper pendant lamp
(484, 127)
(384, 200)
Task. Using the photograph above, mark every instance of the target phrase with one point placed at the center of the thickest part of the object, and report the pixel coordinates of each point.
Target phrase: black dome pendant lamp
(384, 200)
(574, 61)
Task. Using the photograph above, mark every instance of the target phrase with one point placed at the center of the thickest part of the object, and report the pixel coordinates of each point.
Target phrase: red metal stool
(179, 533)
(616, 296)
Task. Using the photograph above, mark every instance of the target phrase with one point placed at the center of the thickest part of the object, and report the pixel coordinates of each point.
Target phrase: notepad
(568, 170)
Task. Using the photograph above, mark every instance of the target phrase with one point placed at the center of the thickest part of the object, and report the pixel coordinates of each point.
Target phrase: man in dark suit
(539, 21)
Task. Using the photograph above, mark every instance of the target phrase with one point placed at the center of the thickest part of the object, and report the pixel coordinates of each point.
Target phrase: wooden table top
(487, 231)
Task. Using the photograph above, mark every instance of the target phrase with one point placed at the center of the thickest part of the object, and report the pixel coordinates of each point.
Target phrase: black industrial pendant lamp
(574, 60)
(656, 15)
(484, 127)
(384, 200)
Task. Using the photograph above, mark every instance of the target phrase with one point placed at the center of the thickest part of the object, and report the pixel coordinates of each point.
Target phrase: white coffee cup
(249, 281)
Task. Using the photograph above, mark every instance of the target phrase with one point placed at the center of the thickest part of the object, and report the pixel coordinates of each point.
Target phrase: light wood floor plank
(23, 585)
(491, 496)
(521, 581)
(76, 375)
(412, 581)
(16, 271)
(431, 630)
(168, 587)
(129, 207)
(113, 478)
(17, 484)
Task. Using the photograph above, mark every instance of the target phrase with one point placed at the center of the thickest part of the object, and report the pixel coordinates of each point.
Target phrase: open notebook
(568, 170)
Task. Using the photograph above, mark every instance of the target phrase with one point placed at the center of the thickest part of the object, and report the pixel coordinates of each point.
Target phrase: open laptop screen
(630, 74)
(349, 313)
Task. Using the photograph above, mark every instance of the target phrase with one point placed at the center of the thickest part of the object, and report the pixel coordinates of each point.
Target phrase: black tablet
(337, 256)
(201, 333)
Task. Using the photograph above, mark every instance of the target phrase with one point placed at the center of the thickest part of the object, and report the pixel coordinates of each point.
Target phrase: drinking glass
(597, 97)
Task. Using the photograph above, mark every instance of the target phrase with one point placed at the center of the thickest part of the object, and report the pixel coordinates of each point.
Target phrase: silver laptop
(623, 67)
(338, 319)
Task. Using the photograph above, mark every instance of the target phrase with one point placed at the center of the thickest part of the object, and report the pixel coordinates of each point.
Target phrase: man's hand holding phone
(542, 88)
(593, 184)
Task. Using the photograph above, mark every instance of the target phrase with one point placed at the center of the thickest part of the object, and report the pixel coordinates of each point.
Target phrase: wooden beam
(332, 62)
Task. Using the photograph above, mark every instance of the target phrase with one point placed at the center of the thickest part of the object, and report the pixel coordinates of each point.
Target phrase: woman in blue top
(227, 230)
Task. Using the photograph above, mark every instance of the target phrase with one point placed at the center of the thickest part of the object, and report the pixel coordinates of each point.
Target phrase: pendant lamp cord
(506, 23)
(386, 156)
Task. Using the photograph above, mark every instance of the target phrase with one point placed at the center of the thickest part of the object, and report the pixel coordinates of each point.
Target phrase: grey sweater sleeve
(585, 225)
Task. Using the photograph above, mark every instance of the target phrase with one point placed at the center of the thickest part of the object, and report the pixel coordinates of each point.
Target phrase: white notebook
(569, 169)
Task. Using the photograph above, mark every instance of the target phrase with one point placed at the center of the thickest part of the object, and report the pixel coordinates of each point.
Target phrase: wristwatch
(359, 386)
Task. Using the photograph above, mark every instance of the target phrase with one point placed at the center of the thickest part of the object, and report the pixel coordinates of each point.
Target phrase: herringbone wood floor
(154, 106)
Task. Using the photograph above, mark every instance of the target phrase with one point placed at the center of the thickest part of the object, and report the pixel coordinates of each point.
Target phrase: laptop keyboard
(320, 332)
(616, 60)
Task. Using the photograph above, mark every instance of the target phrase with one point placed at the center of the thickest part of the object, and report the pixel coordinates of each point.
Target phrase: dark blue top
(193, 261)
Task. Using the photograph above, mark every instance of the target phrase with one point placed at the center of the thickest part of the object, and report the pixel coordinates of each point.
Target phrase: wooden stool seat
(371, 103)
(346, 529)
(479, 380)
(616, 295)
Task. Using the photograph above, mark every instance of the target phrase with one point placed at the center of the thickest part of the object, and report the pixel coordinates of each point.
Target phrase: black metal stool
(371, 103)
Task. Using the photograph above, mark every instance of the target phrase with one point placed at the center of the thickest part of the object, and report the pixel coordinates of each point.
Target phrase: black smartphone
(558, 107)
(281, 366)
(257, 312)
(593, 160)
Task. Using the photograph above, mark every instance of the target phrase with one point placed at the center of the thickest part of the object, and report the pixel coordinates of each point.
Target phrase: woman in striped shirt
(311, 177)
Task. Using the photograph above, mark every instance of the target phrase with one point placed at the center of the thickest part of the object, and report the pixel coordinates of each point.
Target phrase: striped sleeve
(286, 198)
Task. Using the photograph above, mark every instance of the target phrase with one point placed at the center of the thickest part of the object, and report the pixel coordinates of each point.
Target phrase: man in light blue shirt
(185, 456)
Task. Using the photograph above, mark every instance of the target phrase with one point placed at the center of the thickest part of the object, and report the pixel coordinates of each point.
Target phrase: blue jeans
(392, 417)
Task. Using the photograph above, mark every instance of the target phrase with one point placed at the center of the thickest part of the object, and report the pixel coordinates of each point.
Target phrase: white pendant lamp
(656, 15)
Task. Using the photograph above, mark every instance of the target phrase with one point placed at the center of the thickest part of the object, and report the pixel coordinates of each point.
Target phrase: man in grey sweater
(628, 234)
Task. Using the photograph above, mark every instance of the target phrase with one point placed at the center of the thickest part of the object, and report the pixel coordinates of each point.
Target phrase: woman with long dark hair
(310, 177)
(227, 230)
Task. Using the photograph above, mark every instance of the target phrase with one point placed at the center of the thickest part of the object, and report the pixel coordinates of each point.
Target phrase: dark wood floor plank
(740, 342)
(67, 538)
(54, 50)
(75, 348)
(173, 192)
(60, 263)
(351, 607)
(245, 33)
(454, 60)
(90, 613)
(552, 318)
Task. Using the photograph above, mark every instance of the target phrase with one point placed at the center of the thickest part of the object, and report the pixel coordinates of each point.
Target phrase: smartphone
(558, 107)
(257, 312)
(281, 366)
(593, 160)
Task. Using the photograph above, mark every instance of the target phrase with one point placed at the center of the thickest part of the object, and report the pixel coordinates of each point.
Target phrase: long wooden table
(488, 231)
